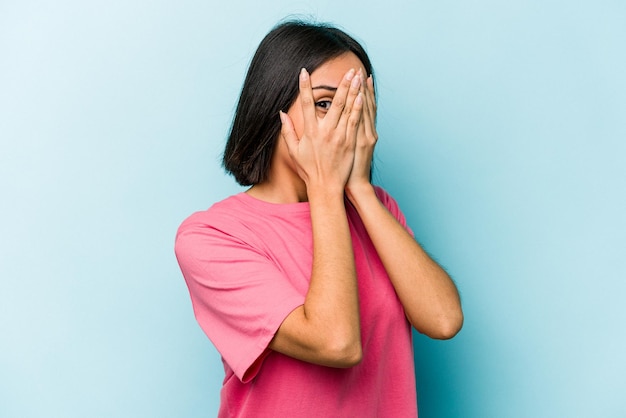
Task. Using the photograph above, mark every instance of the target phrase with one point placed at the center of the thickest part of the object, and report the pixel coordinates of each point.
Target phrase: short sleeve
(239, 296)
(393, 208)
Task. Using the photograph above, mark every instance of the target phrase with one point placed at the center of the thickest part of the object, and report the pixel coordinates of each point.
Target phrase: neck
(284, 186)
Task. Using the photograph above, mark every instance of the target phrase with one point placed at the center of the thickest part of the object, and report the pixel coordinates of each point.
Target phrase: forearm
(326, 328)
(428, 295)
(332, 301)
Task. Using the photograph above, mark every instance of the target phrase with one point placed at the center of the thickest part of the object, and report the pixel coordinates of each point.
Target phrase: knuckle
(339, 103)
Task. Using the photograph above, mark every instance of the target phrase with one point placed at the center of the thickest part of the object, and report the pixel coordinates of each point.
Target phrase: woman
(308, 283)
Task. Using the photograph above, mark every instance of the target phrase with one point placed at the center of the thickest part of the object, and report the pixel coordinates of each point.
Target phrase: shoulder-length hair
(271, 85)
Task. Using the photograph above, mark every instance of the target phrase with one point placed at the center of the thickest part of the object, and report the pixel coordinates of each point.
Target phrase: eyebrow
(323, 87)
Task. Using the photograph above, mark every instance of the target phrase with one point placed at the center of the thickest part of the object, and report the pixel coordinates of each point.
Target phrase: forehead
(332, 71)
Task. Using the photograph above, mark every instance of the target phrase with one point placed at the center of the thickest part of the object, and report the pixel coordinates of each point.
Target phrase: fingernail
(304, 74)
(356, 82)
(350, 74)
(282, 116)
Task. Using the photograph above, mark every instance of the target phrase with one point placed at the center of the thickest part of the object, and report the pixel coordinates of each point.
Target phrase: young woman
(309, 282)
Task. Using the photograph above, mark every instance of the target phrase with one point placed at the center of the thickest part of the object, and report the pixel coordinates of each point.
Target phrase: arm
(429, 297)
(326, 329)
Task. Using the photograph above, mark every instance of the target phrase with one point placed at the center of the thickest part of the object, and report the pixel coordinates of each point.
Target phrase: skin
(325, 152)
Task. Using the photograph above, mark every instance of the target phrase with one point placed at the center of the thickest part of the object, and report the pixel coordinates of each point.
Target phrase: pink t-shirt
(247, 264)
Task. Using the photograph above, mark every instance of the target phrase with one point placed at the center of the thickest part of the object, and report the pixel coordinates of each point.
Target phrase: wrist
(356, 190)
(324, 193)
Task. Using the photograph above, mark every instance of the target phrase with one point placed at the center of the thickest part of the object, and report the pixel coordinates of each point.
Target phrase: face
(324, 81)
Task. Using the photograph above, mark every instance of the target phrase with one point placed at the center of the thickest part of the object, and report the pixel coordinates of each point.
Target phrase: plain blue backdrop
(502, 135)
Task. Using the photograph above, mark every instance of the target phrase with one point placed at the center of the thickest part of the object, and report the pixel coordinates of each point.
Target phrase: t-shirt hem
(248, 368)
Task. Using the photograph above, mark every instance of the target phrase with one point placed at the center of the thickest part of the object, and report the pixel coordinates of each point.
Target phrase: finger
(306, 99)
(364, 119)
(365, 113)
(288, 132)
(344, 98)
(366, 96)
(369, 111)
(353, 92)
(371, 98)
(353, 121)
(370, 85)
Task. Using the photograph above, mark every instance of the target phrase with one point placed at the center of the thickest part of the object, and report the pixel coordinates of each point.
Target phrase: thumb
(288, 131)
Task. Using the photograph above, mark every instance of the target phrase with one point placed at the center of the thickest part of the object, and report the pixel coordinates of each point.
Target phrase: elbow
(444, 328)
(352, 356)
(447, 329)
(450, 326)
(343, 353)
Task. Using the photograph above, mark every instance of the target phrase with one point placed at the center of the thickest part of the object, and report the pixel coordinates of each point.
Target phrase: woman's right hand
(324, 155)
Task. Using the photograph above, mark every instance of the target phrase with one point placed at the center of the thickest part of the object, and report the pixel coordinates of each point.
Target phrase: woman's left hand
(366, 139)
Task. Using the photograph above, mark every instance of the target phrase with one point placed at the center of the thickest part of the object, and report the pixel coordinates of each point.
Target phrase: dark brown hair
(271, 85)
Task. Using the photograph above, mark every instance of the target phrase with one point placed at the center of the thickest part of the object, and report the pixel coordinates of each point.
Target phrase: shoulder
(222, 214)
(240, 222)
(223, 221)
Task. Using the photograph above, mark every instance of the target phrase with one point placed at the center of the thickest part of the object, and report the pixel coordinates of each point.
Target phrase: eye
(323, 105)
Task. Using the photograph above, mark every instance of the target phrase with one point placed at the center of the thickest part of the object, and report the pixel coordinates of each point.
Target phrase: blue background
(502, 135)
